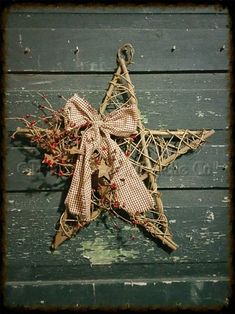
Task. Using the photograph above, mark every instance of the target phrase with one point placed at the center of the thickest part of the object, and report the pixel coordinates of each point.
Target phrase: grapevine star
(149, 151)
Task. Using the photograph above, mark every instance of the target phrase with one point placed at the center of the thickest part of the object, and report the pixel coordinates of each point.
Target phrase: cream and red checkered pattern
(132, 194)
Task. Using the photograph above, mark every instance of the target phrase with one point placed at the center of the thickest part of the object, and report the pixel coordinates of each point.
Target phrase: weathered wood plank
(119, 293)
(109, 19)
(203, 53)
(33, 271)
(201, 103)
(173, 110)
(99, 82)
(205, 168)
(198, 219)
(207, 49)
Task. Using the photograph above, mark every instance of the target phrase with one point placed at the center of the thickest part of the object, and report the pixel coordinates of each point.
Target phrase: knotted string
(132, 194)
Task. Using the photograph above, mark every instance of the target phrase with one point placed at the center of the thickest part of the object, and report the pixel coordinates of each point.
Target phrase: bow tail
(132, 194)
(78, 200)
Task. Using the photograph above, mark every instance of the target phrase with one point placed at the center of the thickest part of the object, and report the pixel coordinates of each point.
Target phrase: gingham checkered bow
(132, 194)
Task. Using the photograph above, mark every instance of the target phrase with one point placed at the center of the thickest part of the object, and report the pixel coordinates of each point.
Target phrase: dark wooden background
(185, 87)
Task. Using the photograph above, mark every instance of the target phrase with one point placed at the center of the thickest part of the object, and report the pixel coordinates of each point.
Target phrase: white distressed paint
(212, 112)
(28, 172)
(16, 210)
(41, 82)
(87, 257)
(225, 199)
(190, 238)
(213, 145)
(56, 252)
(176, 258)
(200, 114)
(210, 216)
(20, 40)
(135, 283)
(93, 289)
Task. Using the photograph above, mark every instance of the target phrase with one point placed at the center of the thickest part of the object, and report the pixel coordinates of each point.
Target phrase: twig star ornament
(112, 158)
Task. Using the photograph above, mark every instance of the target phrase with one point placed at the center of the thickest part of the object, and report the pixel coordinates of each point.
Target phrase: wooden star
(150, 151)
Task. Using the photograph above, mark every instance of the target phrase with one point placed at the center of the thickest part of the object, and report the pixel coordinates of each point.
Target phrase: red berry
(53, 145)
(133, 136)
(113, 186)
(116, 204)
(97, 161)
(32, 123)
(44, 160)
(60, 173)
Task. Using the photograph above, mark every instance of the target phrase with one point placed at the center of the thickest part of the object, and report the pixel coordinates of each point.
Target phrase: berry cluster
(57, 138)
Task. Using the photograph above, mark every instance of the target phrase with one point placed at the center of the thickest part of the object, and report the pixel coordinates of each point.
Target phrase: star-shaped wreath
(111, 157)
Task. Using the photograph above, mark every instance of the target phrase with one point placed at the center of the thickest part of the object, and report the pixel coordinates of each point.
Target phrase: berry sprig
(58, 139)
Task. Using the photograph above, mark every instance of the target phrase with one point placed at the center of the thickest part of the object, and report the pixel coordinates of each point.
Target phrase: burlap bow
(132, 194)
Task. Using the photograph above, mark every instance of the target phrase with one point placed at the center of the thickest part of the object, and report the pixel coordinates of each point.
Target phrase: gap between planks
(223, 71)
(117, 281)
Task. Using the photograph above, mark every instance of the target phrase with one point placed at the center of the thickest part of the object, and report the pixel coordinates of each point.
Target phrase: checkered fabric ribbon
(132, 194)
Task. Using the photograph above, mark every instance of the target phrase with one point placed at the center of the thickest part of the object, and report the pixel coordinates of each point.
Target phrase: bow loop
(80, 114)
(122, 122)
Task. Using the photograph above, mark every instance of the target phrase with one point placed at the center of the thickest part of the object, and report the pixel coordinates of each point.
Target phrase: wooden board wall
(181, 80)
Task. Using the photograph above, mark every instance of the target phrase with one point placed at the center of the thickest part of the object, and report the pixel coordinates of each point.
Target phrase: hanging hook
(125, 52)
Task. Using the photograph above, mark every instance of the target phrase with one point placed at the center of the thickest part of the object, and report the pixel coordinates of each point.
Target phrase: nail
(173, 48)
(27, 50)
(222, 48)
(76, 50)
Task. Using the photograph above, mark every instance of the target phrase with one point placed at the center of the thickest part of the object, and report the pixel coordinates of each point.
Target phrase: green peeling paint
(99, 252)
